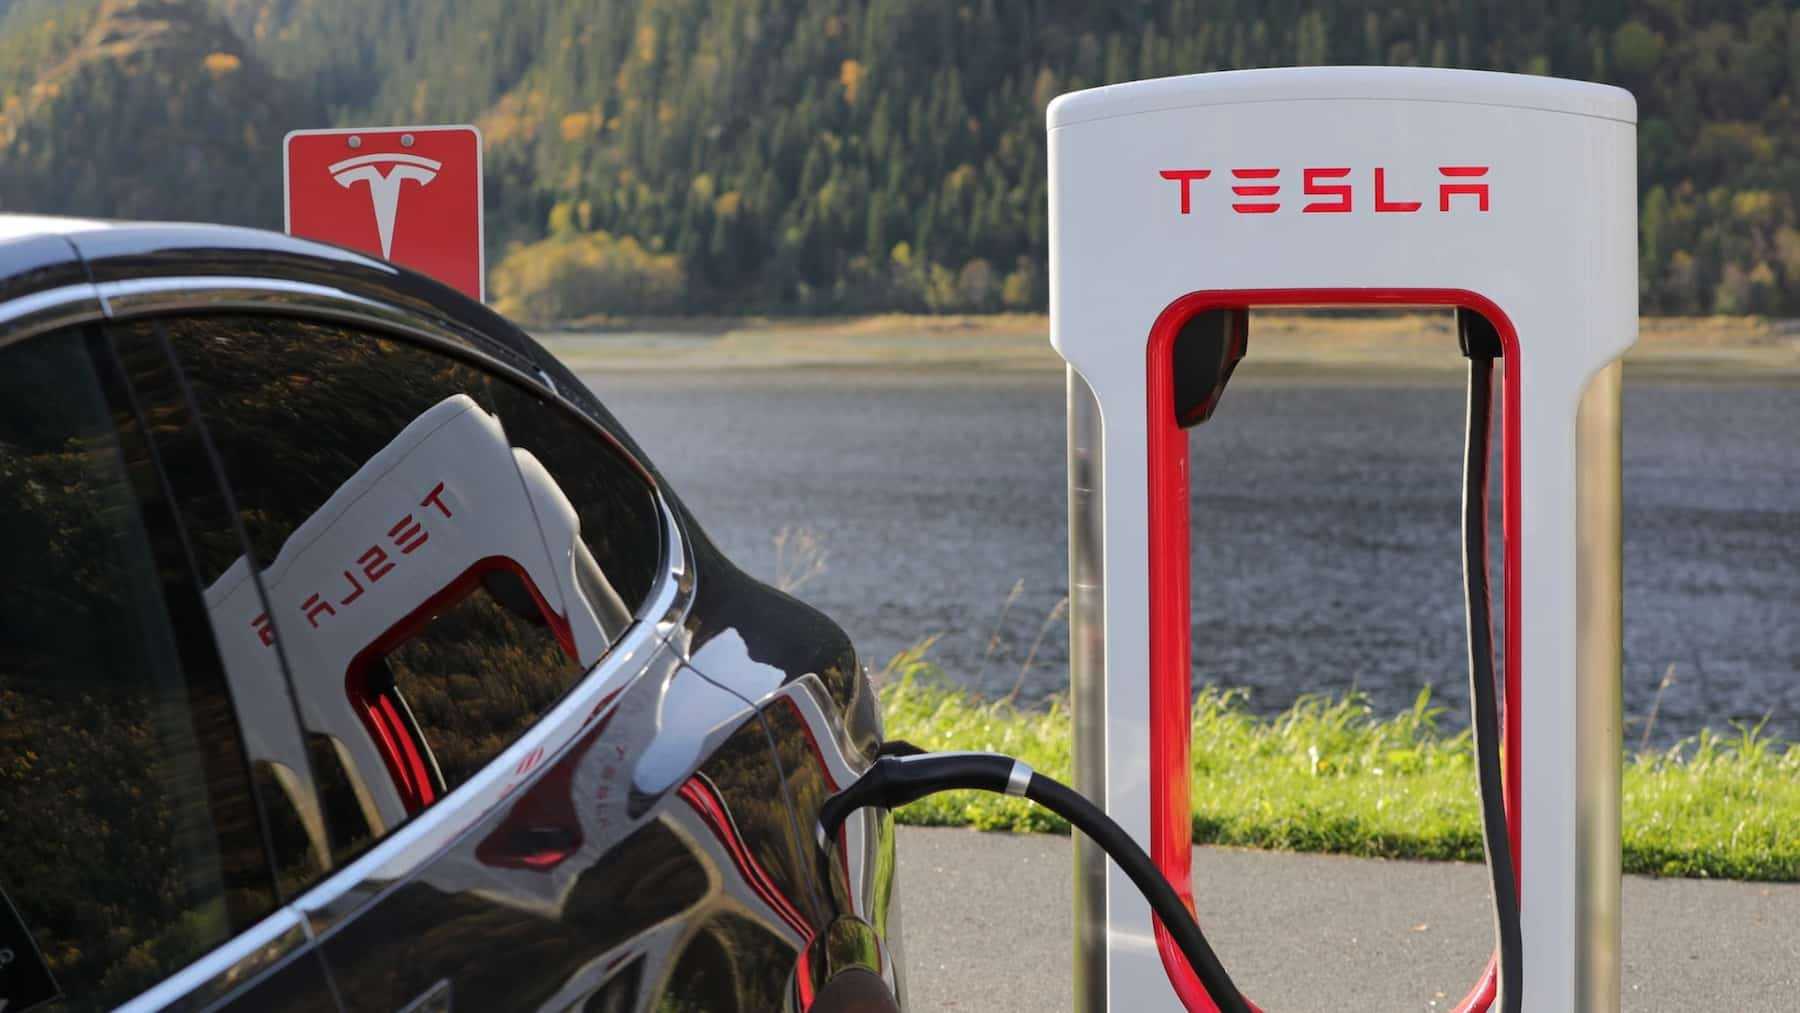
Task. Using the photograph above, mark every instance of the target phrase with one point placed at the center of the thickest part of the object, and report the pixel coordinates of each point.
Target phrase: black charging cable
(1481, 344)
(896, 780)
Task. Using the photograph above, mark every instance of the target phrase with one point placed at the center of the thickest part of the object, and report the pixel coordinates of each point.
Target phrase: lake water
(1325, 527)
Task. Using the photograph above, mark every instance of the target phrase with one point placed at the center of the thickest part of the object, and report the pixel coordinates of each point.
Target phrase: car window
(444, 551)
(280, 756)
(126, 806)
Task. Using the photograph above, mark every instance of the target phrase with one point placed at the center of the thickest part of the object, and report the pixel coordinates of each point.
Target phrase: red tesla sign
(411, 195)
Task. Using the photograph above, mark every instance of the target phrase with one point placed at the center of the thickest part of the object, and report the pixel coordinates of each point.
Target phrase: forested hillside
(849, 155)
(149, 109)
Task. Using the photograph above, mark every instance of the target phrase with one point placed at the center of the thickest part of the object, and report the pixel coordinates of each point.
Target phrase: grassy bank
(1330, 775)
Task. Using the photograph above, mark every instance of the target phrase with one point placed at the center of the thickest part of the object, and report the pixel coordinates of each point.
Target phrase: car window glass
(130, 828)
(444, 551)
(278, 753)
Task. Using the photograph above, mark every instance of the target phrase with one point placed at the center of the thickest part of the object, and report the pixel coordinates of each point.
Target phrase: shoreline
(1414, 347)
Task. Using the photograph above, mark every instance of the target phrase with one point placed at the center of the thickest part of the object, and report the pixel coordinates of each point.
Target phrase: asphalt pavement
(985, 924)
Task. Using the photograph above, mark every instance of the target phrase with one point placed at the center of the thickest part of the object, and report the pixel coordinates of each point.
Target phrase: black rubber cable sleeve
(893, 781)
(1149, 880)
(1483, 695)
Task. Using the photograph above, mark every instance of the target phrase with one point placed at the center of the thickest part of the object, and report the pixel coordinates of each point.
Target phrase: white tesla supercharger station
(1510, 196)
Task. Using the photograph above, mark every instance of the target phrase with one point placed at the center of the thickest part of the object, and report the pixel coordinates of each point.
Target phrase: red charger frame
(1171, 683)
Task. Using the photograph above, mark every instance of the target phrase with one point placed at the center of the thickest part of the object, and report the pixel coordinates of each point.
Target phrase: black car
(353, 657)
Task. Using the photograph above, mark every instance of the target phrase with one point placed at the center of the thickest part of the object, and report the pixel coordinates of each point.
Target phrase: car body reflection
(437, 516)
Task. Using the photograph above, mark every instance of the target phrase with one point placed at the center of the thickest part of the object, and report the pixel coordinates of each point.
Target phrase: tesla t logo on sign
(411, 195)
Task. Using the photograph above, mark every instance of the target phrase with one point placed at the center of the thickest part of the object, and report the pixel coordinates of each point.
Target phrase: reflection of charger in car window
(446, 528)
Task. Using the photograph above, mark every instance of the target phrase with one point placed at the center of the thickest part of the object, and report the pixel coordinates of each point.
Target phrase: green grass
(1331, 775)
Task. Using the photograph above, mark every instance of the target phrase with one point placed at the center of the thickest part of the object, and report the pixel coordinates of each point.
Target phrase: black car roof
(38, 252)
(41, 252)
(121, 250)
(18, 226)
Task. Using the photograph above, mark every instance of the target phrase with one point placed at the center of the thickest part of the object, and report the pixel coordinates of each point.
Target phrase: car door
(135, 829)
(527, 799)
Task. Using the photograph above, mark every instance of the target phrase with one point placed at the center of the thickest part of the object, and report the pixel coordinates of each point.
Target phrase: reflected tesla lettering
(375, 563)
(609, 773)
(435, 498)
(314, 606)
(407, 534)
